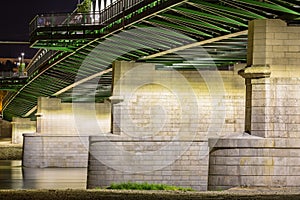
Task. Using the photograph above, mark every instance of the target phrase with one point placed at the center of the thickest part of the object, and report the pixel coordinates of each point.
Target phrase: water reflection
(13, 176)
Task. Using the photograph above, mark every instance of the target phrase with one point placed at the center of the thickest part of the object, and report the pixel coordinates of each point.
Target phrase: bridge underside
(193, 34)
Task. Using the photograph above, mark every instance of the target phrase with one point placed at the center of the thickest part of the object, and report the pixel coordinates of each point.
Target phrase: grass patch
(146, 186)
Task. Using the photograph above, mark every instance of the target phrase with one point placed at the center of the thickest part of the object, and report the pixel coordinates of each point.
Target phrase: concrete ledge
(254, 142)
(116, 138)
(55, 150)
(52, 135)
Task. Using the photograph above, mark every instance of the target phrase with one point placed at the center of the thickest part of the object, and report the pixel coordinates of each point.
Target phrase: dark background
(15, 16)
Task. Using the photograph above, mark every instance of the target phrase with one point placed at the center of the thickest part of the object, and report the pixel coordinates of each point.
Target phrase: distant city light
(22, 54)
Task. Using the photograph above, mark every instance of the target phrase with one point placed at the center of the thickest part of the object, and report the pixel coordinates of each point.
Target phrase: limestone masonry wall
(273, 159)
(275, 99)
(161, 122)
(273, 43)
(163, 103)
(57, 118)
(62, 133)
(252, 161)
(276, 107)
(115, 159)
(55, 151)
(20, 126)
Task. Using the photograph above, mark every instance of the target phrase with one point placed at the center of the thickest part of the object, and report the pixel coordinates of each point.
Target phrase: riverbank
(233, 194)
(10, 151)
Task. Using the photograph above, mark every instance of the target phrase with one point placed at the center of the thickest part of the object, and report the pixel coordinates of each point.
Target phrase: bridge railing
(8, 74)
(82, 19)
(11, 75)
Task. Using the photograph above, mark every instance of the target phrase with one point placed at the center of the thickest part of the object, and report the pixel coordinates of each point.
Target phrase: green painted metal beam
(178, 27)
(222, 8)
(211, 16)
(205, 25)
(267, 5)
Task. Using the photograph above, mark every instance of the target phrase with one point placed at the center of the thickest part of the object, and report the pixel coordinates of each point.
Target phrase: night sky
(15, 16)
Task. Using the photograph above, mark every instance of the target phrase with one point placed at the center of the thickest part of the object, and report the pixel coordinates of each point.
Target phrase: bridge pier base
(161, 122)
(272, 113)
(273, 73)
(58, 143)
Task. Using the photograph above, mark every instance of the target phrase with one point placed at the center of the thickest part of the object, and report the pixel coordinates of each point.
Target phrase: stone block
(292, 181)
(293, 170)
(279, 181)
(279, 171)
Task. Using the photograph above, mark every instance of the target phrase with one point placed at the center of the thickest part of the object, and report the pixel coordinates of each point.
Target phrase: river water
(14, 176)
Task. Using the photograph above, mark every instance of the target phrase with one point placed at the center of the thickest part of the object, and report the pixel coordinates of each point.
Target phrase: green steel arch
(219, 26)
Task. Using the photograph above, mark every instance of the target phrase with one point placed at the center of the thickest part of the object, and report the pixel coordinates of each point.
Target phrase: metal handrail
(75, 19)
(8, 74)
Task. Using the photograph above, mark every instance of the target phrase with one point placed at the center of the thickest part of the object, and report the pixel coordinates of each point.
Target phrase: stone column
(272, 79)
(252, 73)
(57, 118)
(20, 126)
(119, 70)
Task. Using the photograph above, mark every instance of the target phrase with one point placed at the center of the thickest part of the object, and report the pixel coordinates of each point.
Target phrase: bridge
(220, 27)
(171, 52)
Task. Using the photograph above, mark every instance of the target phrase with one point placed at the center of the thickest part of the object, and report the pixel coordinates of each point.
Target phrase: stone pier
(57, 142)
(271, 155)
(162, 120)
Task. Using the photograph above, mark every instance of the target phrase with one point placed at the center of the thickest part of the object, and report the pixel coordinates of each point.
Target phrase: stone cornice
(255, 71)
